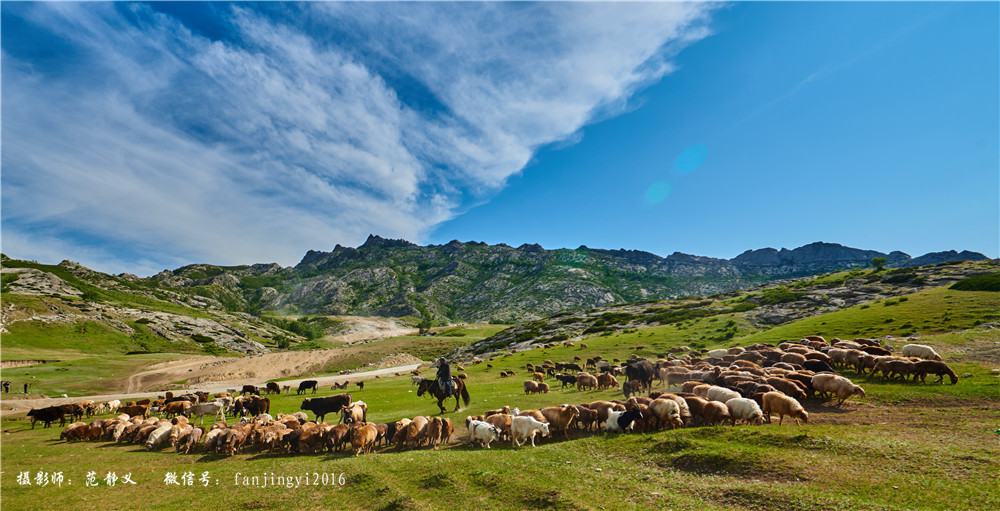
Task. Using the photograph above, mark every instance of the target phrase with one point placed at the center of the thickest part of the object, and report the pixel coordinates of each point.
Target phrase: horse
(431, 386)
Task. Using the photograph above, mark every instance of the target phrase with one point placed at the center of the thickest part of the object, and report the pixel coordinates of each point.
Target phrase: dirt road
(18, 406)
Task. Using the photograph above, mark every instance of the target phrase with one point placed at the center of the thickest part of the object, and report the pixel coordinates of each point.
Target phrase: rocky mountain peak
(378, 241)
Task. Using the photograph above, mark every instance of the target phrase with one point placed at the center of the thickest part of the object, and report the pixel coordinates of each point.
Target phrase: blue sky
(141, 137)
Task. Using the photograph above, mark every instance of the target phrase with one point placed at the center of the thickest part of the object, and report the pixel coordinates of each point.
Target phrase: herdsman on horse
(444, 376)
(444, 386)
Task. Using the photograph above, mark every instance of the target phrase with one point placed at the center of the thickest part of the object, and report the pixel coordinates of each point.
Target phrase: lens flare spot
(691, 158)
(657, 192)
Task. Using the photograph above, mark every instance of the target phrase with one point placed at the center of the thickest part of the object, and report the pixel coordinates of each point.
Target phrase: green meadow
(905, 446)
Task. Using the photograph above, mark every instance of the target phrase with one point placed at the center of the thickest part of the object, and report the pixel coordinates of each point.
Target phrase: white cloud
(185, 149)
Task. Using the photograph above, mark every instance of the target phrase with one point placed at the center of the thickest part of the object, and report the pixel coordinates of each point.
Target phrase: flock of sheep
(726, 386)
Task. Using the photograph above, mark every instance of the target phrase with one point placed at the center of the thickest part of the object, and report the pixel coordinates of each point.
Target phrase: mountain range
(474, 281)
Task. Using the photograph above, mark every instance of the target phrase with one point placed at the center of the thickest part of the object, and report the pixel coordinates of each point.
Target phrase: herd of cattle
(726, 386)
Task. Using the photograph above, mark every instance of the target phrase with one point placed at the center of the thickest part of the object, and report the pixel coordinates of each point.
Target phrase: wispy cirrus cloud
(307, 125)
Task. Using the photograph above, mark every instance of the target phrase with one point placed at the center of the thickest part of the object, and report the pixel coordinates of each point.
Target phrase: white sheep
(721, 394)
(119, 428)
(743, 409)
(778, 403)
(523, 428)
(719, 353)
(667, 412)
(920, 351)
(682, 406)
(212, 439)
(158, 437)
(834, 384)
(482, 433)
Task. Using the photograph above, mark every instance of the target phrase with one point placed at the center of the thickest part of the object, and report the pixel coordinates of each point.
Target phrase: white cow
(215, 408)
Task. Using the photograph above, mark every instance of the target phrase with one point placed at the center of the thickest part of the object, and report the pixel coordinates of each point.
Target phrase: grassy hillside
(899, 302)
(925, 313)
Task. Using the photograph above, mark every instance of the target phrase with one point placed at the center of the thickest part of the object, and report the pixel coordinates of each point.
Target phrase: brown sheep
(363, 438)
(606, 381)
(585, 418)
(337, 436)
(433, 433)
(504, 409)
(585, 381)
(715, 412)
(793, 358)
(535, 414)
(530, 387)
(502, 422)
(788, 387)
(935, 367)
(601, 407)
(402, 429)
(416, 430)
(776, 402)
(696, 405)
(447, 429)
(538, 376)
(690, 385)
(560, 418)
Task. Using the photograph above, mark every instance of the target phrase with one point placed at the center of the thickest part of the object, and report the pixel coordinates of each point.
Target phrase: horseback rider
(444, 376)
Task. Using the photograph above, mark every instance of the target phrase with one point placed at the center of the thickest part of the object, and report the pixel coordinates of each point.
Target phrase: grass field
(869, 454)
(905, 446)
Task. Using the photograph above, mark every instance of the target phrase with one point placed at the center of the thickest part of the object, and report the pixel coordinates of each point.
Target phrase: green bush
(743, 307)
(6, 280)
(989, 282)
(201, 338)
(212, 349)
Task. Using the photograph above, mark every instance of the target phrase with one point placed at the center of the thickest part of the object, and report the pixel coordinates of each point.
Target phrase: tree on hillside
(879, 263)
(425, 326)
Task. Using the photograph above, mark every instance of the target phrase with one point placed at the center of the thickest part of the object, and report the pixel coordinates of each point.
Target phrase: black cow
(642, 371)
(273, 388)
(252, 406)
(324, 405)
(47, 415)
(249, 389)
(306, 385)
